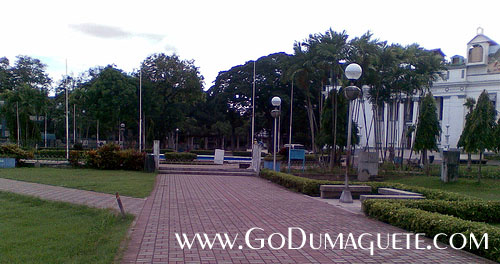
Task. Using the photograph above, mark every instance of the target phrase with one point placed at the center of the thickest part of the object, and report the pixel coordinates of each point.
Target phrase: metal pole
(74, 123)
(274, 139)
(290, 133)
(140, 109)
(279, 128)
(45, 135)
(18, 128)
(97, 143)
(67, 117)
(253, 106)
(346, 196)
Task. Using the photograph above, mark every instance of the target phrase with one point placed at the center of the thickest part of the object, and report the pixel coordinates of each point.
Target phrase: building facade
(464, 77)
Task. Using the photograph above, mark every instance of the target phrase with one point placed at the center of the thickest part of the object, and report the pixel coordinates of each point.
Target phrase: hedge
(203, 152)
(162, 151)
(430, 223)
(13, 151)
(110, 157)
(180, 156)
(479, 211)
(311, 186)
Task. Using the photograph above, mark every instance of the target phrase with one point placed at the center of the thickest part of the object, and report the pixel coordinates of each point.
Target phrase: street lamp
(352, 72)
(122, 134)
(176, 139)
(275, 113)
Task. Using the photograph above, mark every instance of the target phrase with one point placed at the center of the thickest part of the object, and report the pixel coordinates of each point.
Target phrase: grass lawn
(37, 231)
(488, 189)
(128, 183)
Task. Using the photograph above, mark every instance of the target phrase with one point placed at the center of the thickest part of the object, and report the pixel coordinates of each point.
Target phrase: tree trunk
(479, 171)
(206, 142)
(425, 162)
(237, 142)
(469, 161)
(310, 114)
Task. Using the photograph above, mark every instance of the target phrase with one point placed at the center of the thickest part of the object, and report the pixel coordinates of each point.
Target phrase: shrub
(203, 152)
(13, 151)
(479, 211)
(132, 159)
(431, 224)
(109, 158)
(74, 158)
(180, 156)
(299, 183)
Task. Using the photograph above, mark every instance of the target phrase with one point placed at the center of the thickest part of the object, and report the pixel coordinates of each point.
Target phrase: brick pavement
(233, 205)
(56, 193)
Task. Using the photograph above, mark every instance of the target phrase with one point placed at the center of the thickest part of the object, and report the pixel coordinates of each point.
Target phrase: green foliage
(482, 126)
(74, 158)
(13, 151)
(311, 187)
(431, 223)
(428, 127)
(132, 159)
(473, 210)
(110, 157)
(203, 152)
(466, 136)
(180, 156)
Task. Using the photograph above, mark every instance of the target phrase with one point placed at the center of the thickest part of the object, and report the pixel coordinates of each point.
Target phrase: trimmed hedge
(203, 152)
(311, 186)
(162, 151)
(13, 151)
(110, 157)
(430, 223)
(479, 211)
(180, 156)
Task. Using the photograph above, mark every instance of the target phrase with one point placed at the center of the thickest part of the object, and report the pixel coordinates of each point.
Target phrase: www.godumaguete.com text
(297, 238)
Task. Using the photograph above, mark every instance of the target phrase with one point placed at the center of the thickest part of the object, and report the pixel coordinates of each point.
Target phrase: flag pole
(140, 108)
(67, 118)
(253, 107)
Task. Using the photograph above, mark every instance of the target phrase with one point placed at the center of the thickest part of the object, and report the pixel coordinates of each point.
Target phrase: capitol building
(464, 77)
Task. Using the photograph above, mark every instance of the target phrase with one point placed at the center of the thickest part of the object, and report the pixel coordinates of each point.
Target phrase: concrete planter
(7, 162)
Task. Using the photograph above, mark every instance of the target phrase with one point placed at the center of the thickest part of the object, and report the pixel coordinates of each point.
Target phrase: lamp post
(122, 134)
(176, 139)
(275, 113)
(352, 72)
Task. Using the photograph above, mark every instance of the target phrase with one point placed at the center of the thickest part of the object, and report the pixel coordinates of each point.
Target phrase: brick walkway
(233, 205)
(56, 193)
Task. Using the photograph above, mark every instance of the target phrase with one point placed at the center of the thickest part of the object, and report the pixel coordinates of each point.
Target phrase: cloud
(110, 32)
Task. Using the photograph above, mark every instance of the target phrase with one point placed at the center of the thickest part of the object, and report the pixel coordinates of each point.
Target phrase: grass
(128, 183)
(488, 189)
(37, 231)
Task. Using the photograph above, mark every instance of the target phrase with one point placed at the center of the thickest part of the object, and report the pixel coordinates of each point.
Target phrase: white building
(464, 77)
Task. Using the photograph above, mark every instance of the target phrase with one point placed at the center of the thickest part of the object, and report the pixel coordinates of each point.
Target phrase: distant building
(464, 77)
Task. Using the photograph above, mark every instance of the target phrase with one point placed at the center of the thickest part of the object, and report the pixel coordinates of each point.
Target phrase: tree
(482, 128)
(466, 135)
(30, 71)
(110, 98)
(172, 87)
(428, 129)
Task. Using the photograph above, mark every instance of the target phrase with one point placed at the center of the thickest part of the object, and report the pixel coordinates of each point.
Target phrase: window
(476, 54)
(409, 112)
(463, 74)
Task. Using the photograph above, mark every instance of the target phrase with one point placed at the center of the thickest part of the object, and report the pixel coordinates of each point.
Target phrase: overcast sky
(221, 34)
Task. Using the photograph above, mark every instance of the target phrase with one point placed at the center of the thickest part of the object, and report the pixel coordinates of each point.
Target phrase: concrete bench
(334, 191)
(390, 191)
(377, 196)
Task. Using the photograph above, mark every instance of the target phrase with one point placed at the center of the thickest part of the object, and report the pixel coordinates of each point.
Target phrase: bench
(390, 191)
(334, 191)
(363, 198)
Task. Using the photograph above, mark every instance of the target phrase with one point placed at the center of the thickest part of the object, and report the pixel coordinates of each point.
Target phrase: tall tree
(428, 129)
(171, 87)
(482, 128)
(466, 135)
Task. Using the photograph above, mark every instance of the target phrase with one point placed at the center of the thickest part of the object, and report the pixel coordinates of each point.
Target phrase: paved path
(56, 193)
(233, 205)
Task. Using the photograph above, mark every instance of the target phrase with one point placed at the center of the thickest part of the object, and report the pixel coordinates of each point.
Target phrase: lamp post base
(346, 196)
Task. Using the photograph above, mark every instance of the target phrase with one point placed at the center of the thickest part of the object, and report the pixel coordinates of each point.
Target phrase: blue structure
(298, 154)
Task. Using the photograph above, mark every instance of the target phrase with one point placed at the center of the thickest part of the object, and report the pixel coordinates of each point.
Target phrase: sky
(220, 34)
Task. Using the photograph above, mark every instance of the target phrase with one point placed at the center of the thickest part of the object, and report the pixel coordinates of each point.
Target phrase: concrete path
(56, 193)
(233, 205)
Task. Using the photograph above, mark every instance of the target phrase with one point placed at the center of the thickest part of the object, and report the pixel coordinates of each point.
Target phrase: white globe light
(353, 71)
(276, 101)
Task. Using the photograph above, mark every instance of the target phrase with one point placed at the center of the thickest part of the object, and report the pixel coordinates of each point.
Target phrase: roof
(480, 38)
